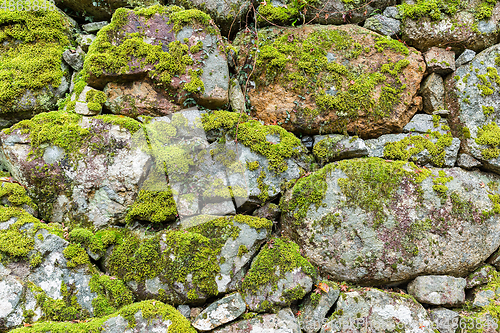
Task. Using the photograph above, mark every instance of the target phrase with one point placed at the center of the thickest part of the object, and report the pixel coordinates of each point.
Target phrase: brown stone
(275, 99)
(439, 61)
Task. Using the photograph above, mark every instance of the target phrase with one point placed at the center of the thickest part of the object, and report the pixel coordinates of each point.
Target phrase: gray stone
(236, 97)
(317, 306)
(477, 106)
(465, 58)
(424, 123)
(357, 229)
(439, 61)
(81, 105)
(483, 298)
(481, 276)
(334, 147)
(438, 290)
(269, 211)
(468, 162)
(85, 40)
(383, 25)
(441, 113)
(446, 321)
(185, 310)
(53, 154)
(282, 322)
(74, 58)
(432, 91)
(219, 208)
(94, 27)
(378, 310)
(220, 312)
(392, 12)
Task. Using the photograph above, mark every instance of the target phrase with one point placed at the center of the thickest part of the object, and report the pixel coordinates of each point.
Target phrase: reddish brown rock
(331, 79)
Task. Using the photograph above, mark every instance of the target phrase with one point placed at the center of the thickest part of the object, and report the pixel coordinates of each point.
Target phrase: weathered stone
(481, 276)
(74, 58)
(439, 61)
(85, 40)
(392, 12)
(312, 101)
(432, 91)
(184, 57)
(334, 147)
(236, 97)
(472, 96)
(441, 113)
(185, 310)
(269, 211)
(279, 275)
(317, 306)
(424, 123)
(438, 290)
(220, 312)
(468, 162)
(483, 298)
(307, 141)
(378, 310)
(446, 321)
(372, 221)
(94, 27)
(465, 58)
(86, 106)
(383, 25)
(464, 29)
(283, 321)
(100, 10)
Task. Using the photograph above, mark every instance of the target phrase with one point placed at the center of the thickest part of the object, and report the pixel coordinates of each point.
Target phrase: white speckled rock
(438, 290)
(282, 322)
(220, 312)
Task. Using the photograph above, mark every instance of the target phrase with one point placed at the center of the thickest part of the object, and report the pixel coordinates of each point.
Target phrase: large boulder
(472, 95)
(158, 57)
(190, 265)
(33, 75)
(330, 79)
(100, 10)
(77, 169)
(471, 24)
(371, 221)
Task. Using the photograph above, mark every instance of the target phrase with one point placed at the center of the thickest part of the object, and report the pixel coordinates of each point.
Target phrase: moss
(263, 187)
(488, 110)
(222, 120)
(252, 166)
(383, 43)
(95, 100)
(242, 250)
(128, 123)
(196, 47)
(96, 243)
(33, 43)
(489, 135)
(327, 150)
(112, 294)
(439, 183)
(76, 255)
(434, 9)
(150, 310)
(275, 259)
(36, 259)
(16, 195)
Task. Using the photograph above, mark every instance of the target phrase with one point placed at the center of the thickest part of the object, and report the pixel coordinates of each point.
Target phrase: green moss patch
(489, 135)
(112, 294)
(16, 195)
(31, 51)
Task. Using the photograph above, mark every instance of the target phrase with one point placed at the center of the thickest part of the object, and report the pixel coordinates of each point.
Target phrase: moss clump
(217, 120)
(97, 243)
(434, 9)
(31, 51)
(150, 311)
(128, 123)
(16, 195)
(276, 258)
(252, 166)
(95, 99)
(439, 183)
(327, 149)
(489, 135)
(76, 255)
(112, 294)
(383, 43)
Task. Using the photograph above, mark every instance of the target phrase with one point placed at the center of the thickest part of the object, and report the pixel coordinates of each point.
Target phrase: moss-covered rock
(190, 265)
(99, 10)
(330, 79)
(376, 221)
(174, 52)
(32, 73)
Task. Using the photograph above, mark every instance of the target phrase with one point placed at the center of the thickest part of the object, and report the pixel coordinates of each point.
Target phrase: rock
(185, 310)
(283, 321)
(383, 25)
(307, 141)
(317, 306)
(278, 276)
(438, 290)
(446, 321)
(471, 95)
(100, 11)
(14, 195)
(334, 147)
(392, 12)
(31, 52)
(85, 40)
(483, 298)
(468, 162)
(188, 266)
(288, 12)
(236, 97)
(439, 61)
(184, 58)
(269, 211)
(74, 58)
(424, 123)
(470, 26)
(311, 101)
(381, 311)
(441, 113)
(88, 102)
(47, 277)
(229, 16)
(465, 58)
(220, 312)
(372, 221)
(423, 149)
(95, 179)
(432, 90)
(481, 276)
(94, 27)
